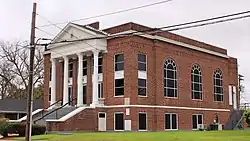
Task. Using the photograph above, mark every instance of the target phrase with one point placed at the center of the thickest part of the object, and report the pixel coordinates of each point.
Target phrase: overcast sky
(234, 36)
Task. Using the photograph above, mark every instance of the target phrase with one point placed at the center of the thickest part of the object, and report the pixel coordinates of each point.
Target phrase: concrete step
(55, 114)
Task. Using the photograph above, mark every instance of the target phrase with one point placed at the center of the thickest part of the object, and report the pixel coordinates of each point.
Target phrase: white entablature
(74, 32)
(67, 50)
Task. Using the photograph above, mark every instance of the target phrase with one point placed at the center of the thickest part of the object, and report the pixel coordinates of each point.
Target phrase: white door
(127, 125)
(102, 122)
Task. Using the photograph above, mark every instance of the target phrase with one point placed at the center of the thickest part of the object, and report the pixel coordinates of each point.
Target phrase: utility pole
(30, 84)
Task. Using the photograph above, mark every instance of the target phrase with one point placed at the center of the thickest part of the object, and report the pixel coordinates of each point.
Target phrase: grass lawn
(151, 136)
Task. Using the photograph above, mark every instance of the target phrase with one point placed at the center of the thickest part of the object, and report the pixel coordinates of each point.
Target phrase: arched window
(218, 86)
(196, 78)
(170, 79)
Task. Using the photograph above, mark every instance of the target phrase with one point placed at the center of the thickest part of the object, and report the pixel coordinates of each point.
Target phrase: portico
(64, 52)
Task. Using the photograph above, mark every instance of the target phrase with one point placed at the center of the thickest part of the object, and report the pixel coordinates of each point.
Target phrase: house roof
(18, 105)
(91, 29)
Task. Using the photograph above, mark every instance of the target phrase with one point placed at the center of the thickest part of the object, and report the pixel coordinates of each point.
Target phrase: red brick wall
(184, 59)
(83, 121)
(47, 65)
(87, 120)
(138, 27)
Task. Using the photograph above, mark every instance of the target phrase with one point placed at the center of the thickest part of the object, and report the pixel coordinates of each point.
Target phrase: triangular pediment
(74, 31)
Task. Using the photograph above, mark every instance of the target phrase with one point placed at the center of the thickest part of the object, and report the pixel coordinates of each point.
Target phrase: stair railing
(245, 107)
(54, 110)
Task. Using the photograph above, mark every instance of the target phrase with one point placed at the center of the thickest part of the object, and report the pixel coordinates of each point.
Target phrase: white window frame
(171, 124)
(172, 62)
(196, 66)
(69, 70)
(120, 87)
(92, 63)
(143, 87)
(85, 60)
(101, 89)
(119, 62)
(218, 71)
(142, 62)
(146, 121)
(197, 120)
(123, 121)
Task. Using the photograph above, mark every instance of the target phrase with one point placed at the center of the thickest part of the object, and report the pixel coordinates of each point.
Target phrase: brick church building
(146, 81)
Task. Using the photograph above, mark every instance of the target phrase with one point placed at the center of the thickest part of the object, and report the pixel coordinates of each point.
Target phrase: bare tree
(14, 68)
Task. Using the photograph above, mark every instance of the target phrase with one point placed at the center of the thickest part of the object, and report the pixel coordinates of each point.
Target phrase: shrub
(19, 128)
(247, 117)
(3, 129)
(38, 129)
(3, 120)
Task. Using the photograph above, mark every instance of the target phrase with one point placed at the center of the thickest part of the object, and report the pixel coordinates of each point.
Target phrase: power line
(161, 29)
(45, 32)
(112, 13)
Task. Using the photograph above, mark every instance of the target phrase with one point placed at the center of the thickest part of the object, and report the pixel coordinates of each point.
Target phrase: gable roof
(90, 28)
(18, 105)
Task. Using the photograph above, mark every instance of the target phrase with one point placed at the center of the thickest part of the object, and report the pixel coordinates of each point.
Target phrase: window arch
(170, 79)
(218, 86)
(196, 79)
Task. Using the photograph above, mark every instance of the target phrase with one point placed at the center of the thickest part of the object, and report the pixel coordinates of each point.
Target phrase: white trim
(175, 42)
(171, 124)
(68, 116)
(33, 113)
(105, 120)
(167, 107)
(123, 121)
(230, 95)
(146, 121)
(197, 120)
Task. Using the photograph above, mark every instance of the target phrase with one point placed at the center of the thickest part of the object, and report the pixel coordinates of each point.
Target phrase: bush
(19, 128)
(3, 129)
(247, 117)
(38, 129)
(3, 120)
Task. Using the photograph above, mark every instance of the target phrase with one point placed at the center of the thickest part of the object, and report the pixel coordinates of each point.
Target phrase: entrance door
(102, 122)
(197, 121)
(70, 96)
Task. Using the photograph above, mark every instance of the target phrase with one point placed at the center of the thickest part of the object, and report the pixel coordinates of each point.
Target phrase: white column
(95, 79)
(65, 80)
(79, 80)
(53, 81)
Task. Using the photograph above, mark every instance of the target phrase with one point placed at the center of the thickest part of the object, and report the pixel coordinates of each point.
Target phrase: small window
(119, 87)
(218, 86)
(196, 79)
(84, 68)
(100, 61)
(142, 87)
(197, 120)
(142, 121)
(119, 62)
(119, 121)
(101, 115)
(49, 96)
(142, 62)
(171, 121)
(70, 70)
(100, 90)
